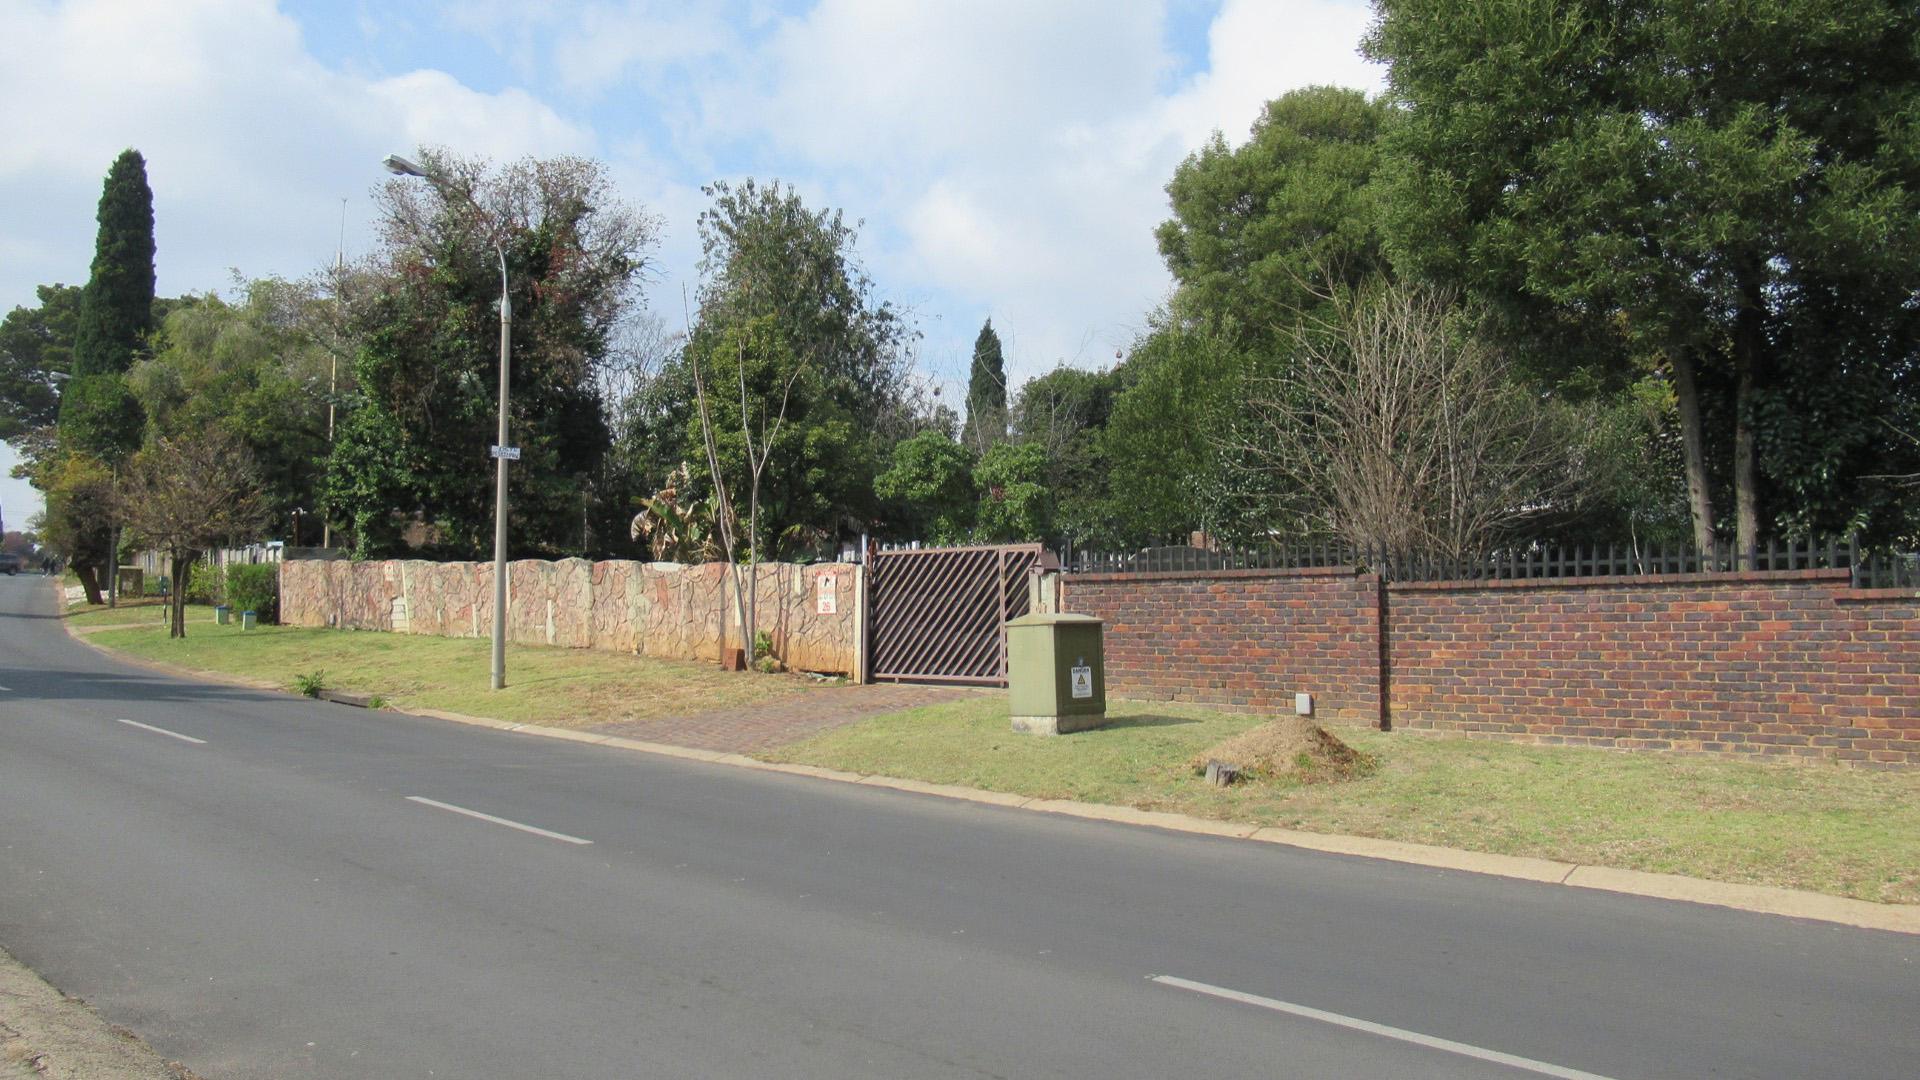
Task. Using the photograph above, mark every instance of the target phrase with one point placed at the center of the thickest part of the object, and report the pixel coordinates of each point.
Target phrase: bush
(204, 586)
(309, 685)
(255, 588)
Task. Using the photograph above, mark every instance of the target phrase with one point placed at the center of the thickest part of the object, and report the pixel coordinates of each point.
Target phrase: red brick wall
(1791, 663)
(1244, 639)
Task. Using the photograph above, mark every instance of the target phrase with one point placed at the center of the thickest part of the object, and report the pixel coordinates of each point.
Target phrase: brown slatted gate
(939, 614)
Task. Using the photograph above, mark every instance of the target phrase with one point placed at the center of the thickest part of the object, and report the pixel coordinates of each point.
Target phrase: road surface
(263, 886)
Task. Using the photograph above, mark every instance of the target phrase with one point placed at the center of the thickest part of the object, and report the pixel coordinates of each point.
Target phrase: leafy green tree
(1726, 194)
(1262, 236)
(782, 287)
(1015, 505)
(1066, 412)
(1185, 391)
(36, 344)
(427, 373)
(767, 404)
(927, 492)
(986, 392)
(1262, 232)
(253, 369)
(80, 495)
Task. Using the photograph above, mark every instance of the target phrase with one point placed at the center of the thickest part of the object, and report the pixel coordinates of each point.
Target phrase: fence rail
(1521, 562)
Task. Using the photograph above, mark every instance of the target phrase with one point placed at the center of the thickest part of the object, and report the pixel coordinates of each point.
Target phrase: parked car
(9, 564)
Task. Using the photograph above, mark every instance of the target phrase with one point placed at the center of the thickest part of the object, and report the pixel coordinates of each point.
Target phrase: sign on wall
(827, 592)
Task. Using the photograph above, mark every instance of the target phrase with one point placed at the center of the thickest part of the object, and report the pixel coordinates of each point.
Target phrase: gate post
(861, 664)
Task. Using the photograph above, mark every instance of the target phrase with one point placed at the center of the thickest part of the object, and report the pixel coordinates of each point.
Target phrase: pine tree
(986, 393)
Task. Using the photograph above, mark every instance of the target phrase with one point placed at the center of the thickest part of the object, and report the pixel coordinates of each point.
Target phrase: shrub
(255, 588)
(205, 586)
(309, 685)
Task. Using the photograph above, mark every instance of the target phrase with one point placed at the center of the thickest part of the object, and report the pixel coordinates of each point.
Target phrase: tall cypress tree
(116, 311)
(97, 414)
(986, 392)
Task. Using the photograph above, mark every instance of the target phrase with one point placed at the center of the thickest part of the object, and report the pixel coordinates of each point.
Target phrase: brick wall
(1790, 663)
(1247, 639)
(1785, 663)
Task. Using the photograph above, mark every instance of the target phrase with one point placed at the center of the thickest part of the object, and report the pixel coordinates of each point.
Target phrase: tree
(1015, 505)
(79, 490)
(116, 309)
(36, 345)
(1727, 194)
(183, 496)
(1260, 235)
(784, 281)
(1185, 387)
(1396, 430)
(1261, 232)
(1066, 412)
(423, 415)
(256, 369)
(115, 317)
(986, 393)
(927, 492)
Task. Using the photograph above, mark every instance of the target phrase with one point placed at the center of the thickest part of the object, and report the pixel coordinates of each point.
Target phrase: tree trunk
(1694, 444)
(90, 581)
(1749, 341)
(177, 603)
(753, 572)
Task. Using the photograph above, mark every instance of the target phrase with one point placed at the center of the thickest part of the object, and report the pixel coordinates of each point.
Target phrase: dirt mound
(1290, 746)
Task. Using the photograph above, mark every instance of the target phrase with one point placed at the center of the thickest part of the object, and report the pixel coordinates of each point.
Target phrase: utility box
(1056, 673)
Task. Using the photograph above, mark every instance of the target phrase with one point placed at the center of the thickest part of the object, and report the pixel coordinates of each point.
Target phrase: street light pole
(500, 489)
(400, 166)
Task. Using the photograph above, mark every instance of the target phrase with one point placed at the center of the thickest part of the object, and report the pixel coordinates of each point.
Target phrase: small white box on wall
(1303, 704)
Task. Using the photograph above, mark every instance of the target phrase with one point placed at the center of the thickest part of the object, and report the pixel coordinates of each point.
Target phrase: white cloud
(250, 142)
(1020, 152)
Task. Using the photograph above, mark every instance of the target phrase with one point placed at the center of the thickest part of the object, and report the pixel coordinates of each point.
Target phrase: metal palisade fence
(1522, 561)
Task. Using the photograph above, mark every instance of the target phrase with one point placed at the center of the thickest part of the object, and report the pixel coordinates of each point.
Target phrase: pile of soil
(1290, 746)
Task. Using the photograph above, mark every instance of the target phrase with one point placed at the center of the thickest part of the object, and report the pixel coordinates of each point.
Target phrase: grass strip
(572, 688)
(1825, 828)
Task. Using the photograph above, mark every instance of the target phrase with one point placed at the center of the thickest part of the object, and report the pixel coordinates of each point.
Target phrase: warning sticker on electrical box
(1083, 681)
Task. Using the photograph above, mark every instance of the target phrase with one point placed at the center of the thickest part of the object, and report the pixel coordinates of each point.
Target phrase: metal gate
(940, 614)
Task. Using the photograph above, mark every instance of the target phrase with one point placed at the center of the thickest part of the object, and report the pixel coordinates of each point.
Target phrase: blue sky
(1006, 156)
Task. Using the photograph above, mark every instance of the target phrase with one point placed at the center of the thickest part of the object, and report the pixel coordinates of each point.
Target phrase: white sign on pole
(826, 594)
(510, 453)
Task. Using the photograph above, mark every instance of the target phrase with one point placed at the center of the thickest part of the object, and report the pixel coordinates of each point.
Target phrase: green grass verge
(1826, 828)
(558, 687)
(151, 609)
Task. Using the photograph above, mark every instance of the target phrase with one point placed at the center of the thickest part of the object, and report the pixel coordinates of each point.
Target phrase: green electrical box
(1056, 673)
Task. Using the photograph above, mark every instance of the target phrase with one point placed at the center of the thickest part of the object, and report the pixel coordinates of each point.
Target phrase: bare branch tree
(187, 495)
(1395, 429)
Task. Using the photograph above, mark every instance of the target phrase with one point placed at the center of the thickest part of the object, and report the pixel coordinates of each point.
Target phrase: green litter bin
(222, 614)
(246, 620)
(1056, 673)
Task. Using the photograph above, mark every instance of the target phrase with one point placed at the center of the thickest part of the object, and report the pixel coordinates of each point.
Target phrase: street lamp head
(400, 166)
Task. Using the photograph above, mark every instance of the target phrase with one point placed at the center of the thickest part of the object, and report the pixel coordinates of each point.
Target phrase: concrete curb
(1761, 899)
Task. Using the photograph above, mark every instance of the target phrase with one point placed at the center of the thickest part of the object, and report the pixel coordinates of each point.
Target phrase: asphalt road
(301, 890)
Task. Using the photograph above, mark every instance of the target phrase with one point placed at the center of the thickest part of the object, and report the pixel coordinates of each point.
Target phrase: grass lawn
(151, 609)
(1826, 828)
(558, 687)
